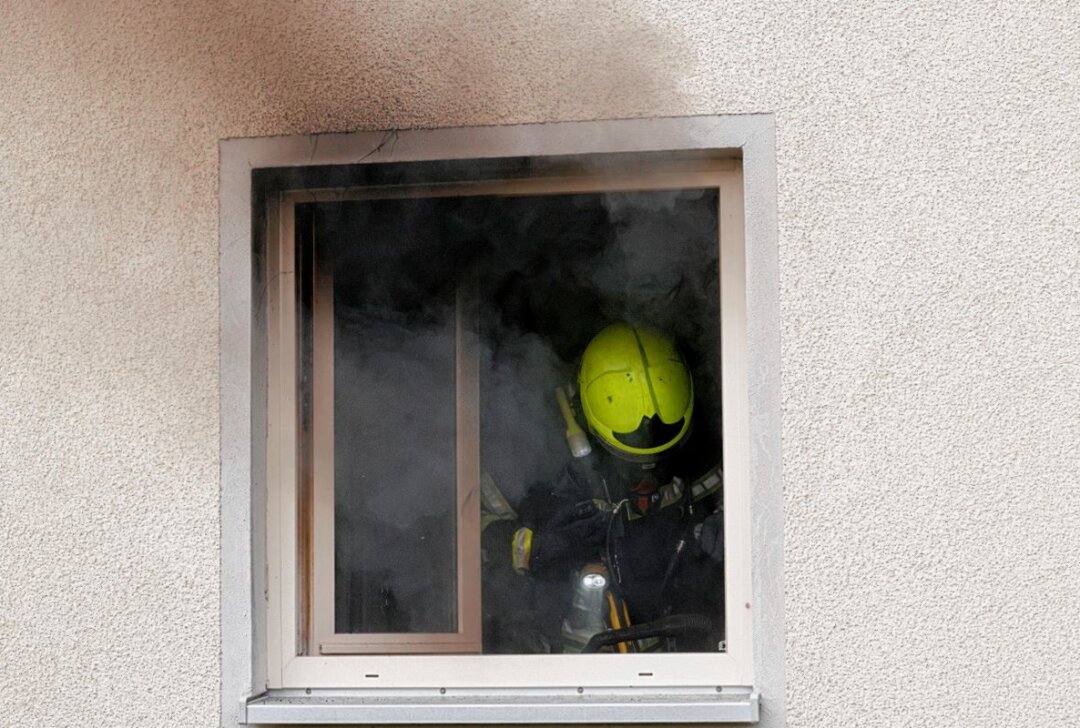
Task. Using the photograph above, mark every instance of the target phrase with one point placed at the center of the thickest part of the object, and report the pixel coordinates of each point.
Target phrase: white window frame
(324, 639)
(290, 668)
(275, 657)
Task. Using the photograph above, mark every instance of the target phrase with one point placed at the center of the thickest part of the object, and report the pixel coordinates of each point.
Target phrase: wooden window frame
(293, 571)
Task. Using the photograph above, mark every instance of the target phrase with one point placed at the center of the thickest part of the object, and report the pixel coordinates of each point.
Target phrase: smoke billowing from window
(546, 273)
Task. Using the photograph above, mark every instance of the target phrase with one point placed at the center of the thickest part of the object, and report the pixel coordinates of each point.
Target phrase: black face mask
(640, 478)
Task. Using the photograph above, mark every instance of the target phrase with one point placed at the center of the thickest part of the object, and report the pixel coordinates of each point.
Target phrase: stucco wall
(928, 171)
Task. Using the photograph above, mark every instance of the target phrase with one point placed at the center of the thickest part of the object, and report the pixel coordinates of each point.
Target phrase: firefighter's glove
(711, 537)
(574, 532)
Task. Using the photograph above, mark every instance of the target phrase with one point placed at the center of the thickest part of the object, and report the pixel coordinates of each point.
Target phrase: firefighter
(635, 512)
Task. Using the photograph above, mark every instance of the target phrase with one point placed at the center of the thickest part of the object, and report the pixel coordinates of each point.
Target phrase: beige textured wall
(929, 178)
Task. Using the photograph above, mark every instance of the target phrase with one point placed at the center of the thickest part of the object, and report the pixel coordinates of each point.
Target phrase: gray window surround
(242, 407)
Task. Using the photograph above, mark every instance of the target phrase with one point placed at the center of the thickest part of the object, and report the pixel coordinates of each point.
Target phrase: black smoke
(548, 272)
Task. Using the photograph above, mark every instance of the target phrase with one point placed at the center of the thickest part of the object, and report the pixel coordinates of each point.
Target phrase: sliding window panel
(394, 439)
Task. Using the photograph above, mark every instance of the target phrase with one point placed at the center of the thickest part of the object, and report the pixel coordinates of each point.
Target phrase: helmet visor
(651, 433)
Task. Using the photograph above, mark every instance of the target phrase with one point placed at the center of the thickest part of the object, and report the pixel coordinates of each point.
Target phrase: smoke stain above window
(441, 355)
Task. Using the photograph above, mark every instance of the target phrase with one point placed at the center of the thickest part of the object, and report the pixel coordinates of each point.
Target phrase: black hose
(687, 534)
(670, 626)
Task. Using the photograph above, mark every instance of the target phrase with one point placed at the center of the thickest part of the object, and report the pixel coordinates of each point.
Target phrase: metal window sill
(538, 705)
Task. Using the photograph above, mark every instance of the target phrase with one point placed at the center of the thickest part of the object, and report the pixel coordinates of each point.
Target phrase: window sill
(540, 705)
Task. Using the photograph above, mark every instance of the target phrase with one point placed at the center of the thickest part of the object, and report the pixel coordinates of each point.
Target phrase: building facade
(928, 318)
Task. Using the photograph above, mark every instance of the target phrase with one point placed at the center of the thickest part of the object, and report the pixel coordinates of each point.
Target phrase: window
(424, 323)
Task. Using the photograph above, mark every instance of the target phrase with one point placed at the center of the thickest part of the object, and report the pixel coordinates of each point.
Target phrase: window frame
(286, 532)
(324, 639)
(273, 661)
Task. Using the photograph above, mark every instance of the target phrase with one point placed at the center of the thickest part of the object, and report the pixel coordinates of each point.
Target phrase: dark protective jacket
(636, 534)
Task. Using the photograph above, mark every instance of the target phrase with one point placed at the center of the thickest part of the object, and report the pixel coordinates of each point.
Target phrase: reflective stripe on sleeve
(708, 484)
(492, 500)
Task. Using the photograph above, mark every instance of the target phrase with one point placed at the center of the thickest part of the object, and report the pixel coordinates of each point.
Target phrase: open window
(424, 328)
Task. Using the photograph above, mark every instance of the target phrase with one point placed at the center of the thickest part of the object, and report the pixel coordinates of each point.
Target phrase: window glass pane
(394, 422)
